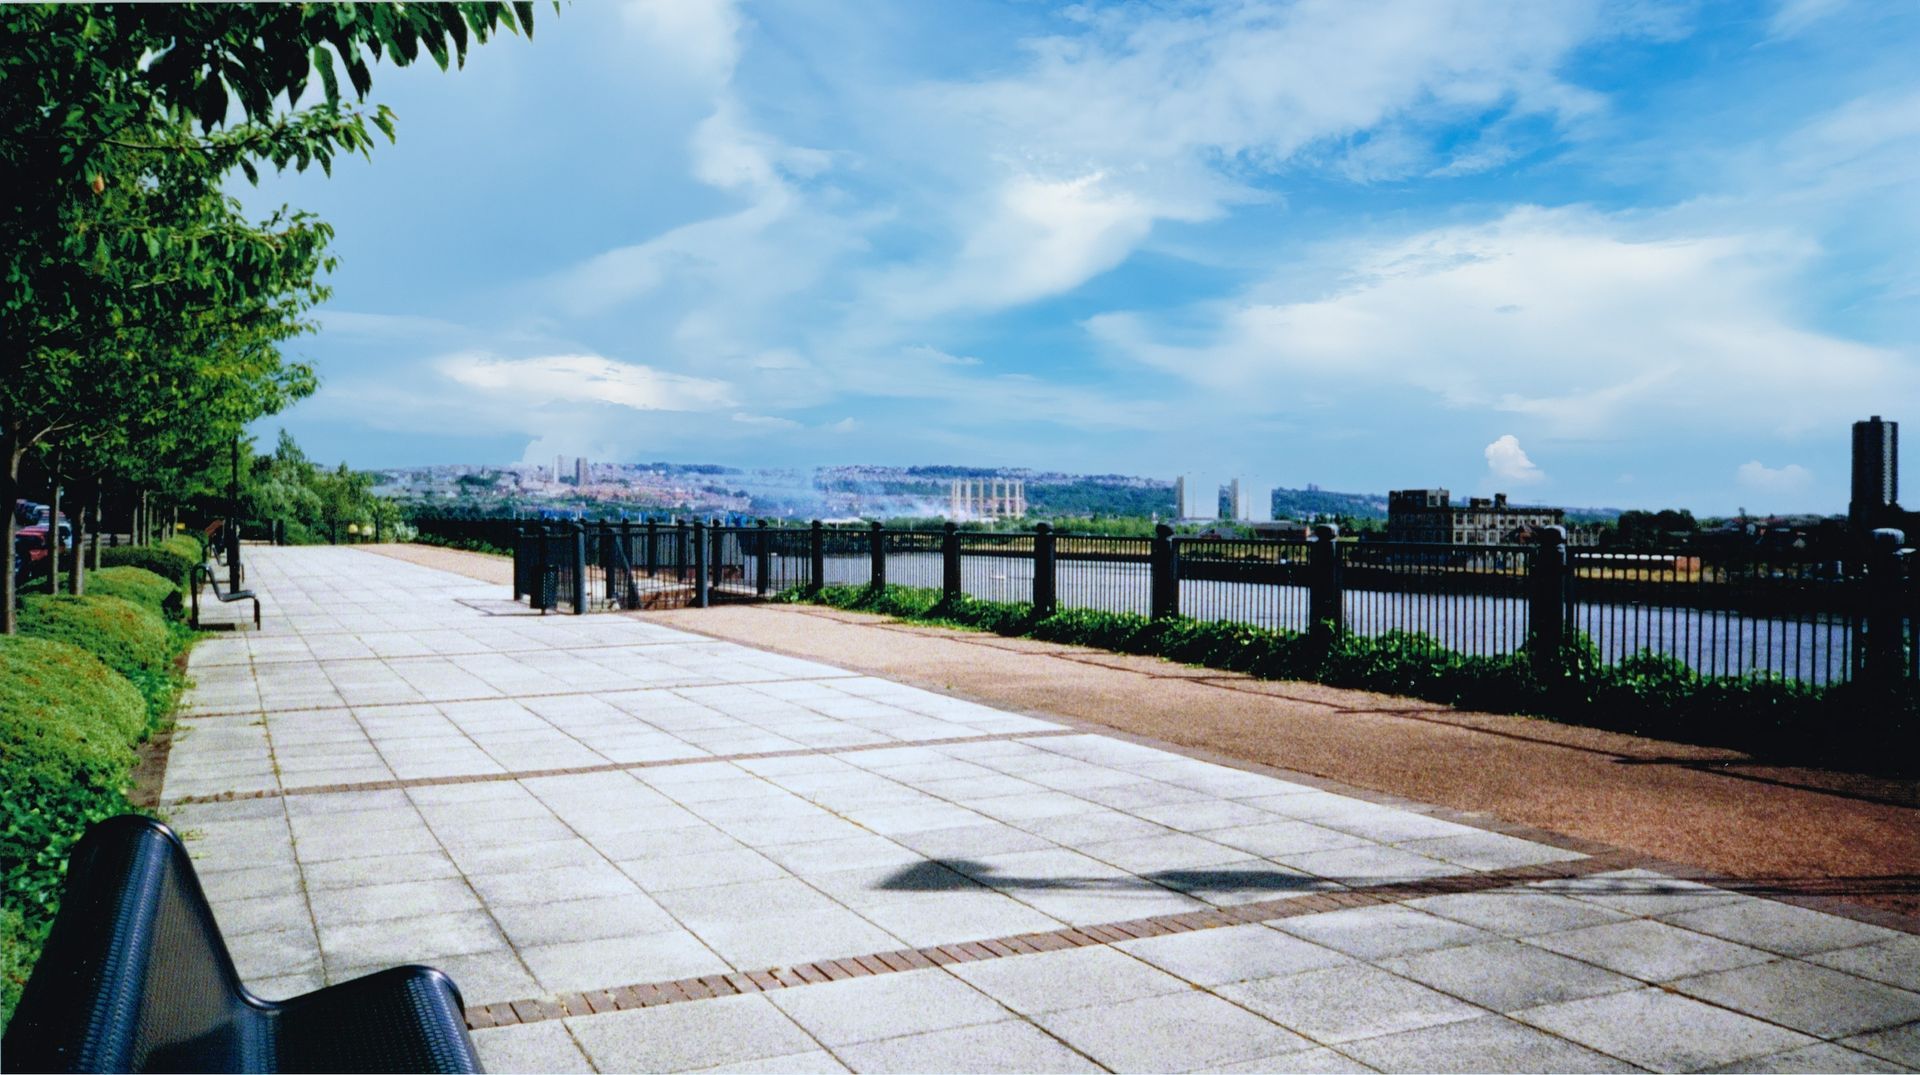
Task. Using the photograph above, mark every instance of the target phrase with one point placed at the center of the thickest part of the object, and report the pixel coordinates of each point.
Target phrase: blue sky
(1585, 253)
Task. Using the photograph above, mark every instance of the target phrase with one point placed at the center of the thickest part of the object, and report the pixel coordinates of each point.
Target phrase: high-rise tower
(1876, 472)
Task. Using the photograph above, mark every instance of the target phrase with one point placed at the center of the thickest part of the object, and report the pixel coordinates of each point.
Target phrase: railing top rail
(1438, 547)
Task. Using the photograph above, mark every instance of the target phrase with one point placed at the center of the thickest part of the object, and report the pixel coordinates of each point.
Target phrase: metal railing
(1736, 613)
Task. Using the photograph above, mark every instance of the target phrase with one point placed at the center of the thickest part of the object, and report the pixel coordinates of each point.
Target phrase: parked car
(29, 550)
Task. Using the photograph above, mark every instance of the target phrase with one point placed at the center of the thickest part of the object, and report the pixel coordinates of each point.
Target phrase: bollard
(579, 550)
(1883, 656)
(1045, 575)
(816, 557)
(609, 563)
(949, 562)
(1163, 586)
(701, 599)
(763, 560)
(1325, 612)
(1547, 603)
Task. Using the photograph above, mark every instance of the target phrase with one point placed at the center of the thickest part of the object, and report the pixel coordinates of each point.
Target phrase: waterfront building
(1429, 515)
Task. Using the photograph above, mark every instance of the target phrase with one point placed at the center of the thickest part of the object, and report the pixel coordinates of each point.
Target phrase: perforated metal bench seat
(135, 977)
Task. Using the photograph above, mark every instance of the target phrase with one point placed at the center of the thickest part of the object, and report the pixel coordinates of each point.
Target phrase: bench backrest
(135, 975)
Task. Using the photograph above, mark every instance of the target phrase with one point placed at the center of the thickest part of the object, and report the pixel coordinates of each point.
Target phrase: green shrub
(168, 561)
(132, 640)
(68, 725)
(135, 584)
(1645, 694)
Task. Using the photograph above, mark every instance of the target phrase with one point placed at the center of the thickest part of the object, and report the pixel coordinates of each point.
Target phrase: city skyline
(1582, 254)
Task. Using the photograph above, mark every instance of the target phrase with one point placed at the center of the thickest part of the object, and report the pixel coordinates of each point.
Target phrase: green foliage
(132, 640)
(143, 308)
(138, 585)
(68, 725)
(313, 504)
(1646, 694)
(166, 560)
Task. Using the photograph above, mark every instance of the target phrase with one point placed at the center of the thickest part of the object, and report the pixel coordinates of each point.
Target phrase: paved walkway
(637, 848)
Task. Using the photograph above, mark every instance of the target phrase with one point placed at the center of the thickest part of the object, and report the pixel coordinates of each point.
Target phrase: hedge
(130, 639)
(1647, 694)
(68, 725)
(135, 584)
(169, 560)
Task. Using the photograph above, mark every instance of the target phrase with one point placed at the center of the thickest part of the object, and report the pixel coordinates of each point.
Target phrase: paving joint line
(504, 697)
(703, 987)
(610, 767)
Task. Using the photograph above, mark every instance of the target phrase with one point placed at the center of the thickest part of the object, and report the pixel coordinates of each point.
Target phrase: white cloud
(1142, 115)
(1793, 17)
(1757, 476)
(584, 379)
(699, 37)
(1508, 462)
(1592, 324)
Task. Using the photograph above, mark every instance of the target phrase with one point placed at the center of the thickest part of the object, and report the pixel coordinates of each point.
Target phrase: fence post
(878, 536)
(522, 563)
(541, 595)
(579, 568)
(1547, 609)
(700, 596)
(653, 548)
(1045, 578)
(609, 562)
(1326, 611)
(1163, 587)
(1884, 657)
(763, 560)
(682, 552)
(949, 561)
(816, 557)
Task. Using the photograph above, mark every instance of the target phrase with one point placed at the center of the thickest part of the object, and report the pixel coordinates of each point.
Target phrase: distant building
(1430, 515)
(558, 463)
(992, 498)
(580, 470)
(1251, 503)
(1876, 474)
(1196, 497)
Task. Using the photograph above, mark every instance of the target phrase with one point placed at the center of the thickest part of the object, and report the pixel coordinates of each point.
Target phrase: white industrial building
(1197, 497)
(1252, 502)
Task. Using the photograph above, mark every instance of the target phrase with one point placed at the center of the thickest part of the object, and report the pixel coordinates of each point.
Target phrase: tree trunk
(99, 522)
(53, 525)
(9, 496)
(145, 529)
(77, 574)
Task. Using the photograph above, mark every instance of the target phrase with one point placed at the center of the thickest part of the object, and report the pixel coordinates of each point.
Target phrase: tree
(125, 265)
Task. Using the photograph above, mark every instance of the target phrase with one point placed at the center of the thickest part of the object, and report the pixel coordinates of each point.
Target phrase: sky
(1585, 253)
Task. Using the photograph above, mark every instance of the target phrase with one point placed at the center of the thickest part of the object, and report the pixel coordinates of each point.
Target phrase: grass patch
(68, 726)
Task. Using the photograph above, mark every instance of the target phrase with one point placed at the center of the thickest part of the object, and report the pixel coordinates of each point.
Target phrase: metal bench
(202, 571)
(135, 977)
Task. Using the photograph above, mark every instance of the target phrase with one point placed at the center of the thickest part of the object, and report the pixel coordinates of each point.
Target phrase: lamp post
(233, 521)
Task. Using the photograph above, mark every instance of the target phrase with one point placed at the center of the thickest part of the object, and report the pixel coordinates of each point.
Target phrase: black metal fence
(1739, 612)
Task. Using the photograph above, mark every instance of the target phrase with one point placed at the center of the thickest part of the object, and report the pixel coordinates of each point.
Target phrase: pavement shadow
(946, 875)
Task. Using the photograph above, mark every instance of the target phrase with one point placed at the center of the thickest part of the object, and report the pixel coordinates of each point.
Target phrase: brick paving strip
(681, 990)
(608, 767)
